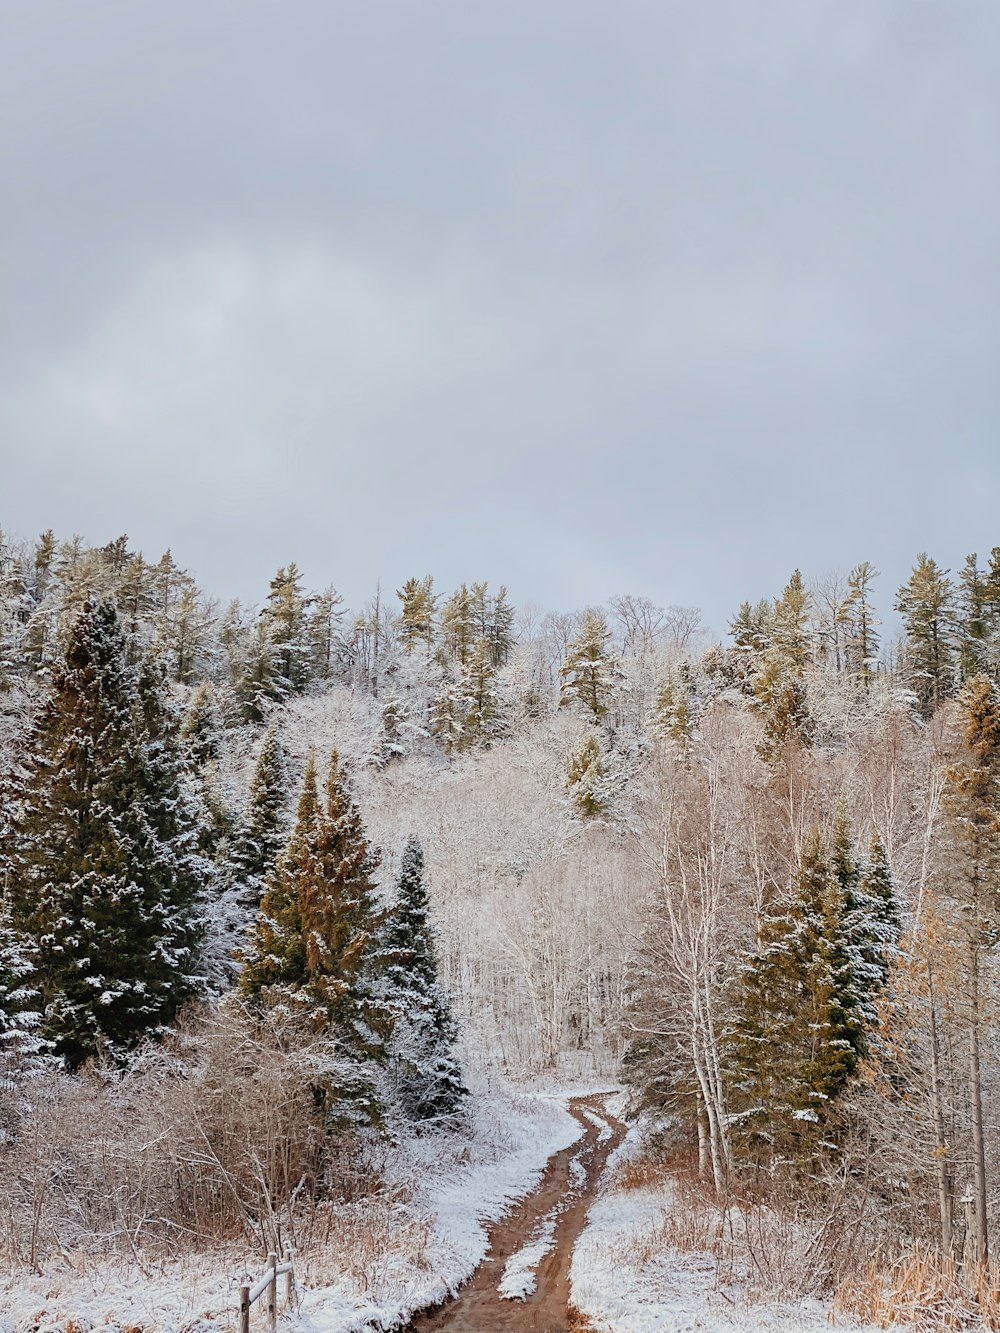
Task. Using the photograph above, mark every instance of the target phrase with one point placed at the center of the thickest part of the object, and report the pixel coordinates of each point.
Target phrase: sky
(584, 298)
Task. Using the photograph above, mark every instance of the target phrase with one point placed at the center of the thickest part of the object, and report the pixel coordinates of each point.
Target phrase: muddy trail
(534, 1243)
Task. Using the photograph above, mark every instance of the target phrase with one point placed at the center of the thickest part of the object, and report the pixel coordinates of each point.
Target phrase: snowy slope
(625, 1282)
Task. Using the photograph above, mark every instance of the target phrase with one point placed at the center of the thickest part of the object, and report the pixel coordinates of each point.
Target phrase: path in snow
(531, 1249)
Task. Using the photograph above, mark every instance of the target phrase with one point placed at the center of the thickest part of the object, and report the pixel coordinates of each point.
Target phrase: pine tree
(458, 629)
(285, 618)
(795, 1037)
(500, 634)
(926, 604)
(586, 777)
(590, 672)
(673, 712)
(105, 871)
(878, 939)
(483, 722)
(390, 743)
(325, 636)
(314, 948)
(416, 618)
(790, 627)
(449, 715)
(862, 642)
(425, 1070)
(972, 619)
(779, 697)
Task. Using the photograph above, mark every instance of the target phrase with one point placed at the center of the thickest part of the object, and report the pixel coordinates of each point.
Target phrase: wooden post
(244, 1310)
(272, 1290)
(289, 1279)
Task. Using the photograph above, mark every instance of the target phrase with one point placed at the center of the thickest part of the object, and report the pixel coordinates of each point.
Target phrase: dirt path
(555, 1213)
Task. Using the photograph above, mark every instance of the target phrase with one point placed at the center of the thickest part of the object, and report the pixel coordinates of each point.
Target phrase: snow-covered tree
(590, 671)
(425, 1071)
(105, 870)
(314, 947)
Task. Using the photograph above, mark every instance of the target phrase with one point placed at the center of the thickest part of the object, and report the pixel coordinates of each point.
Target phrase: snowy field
(440, 1196)
(624, 1280)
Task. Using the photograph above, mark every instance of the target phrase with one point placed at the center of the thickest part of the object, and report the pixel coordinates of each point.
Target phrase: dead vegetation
(217, 1135)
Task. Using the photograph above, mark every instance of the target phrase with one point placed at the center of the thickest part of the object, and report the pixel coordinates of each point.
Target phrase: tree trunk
(981, 1249)
(945, 1191)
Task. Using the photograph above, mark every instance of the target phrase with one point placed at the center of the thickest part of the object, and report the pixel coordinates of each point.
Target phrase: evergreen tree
(458, 628)
(416, 618)
(586, 777)
(314, 948)
(673, 712)
(105, 871)
(449, 715)
(425, 1070)
(862, 641)
(264, 832)
(483, 722)
(325, 636)
(796, 1035)
(878, 939)
(790, 638)
(926, 603)
(590, 672)
(500, 632)
(779, 697)
(23, 1051)
(285, 618)
(972, 619)
(391, 740)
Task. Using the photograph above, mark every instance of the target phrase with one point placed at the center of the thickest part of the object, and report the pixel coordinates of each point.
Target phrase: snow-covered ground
(624, 1279)
(440, 1195)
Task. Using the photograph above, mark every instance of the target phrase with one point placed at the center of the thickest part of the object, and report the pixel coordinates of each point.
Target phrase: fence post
(244, 1310)
(289, 1278)
(272, 1290)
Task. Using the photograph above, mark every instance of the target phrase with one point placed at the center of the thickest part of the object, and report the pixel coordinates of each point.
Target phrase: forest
(390, 857)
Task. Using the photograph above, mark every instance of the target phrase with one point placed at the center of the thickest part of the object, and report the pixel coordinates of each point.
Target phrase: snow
(514, 1138)
(427, 1231)
(625, 1279)
(520, 1274)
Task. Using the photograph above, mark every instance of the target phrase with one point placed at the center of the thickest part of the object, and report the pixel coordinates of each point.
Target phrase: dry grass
(924, 1289)
(214, 1137)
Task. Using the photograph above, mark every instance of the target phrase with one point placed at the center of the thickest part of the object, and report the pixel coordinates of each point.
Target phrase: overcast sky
(664, 298)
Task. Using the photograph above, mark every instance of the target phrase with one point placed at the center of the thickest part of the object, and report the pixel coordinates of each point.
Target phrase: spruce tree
(314, 947)
(24, 1053)
(105, 873)
(795, 1037)
(927, 604)
(264, 831)
(424, 1068)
